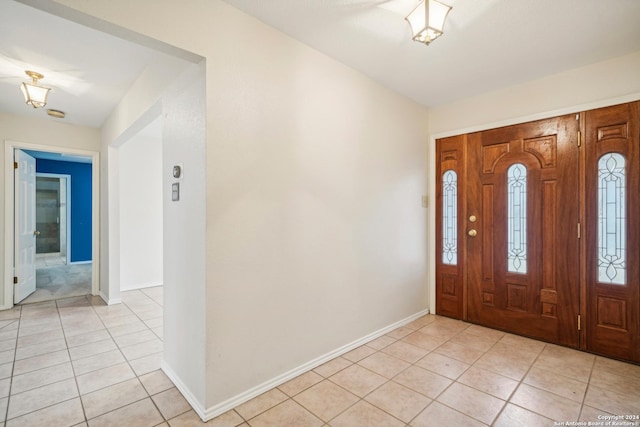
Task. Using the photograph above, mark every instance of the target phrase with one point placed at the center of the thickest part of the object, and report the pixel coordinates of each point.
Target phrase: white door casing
(25, 226)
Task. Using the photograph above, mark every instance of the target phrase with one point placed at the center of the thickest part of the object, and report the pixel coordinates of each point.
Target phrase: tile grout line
(75, 377)
(453, 381)
(12, 377)
(92, 306)
(13, 364)
(520, 382)
(586, 390)
(129, 362)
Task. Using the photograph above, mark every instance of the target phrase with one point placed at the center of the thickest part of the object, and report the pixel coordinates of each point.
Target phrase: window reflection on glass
(612, 219)
(450, 217)
(517, 219)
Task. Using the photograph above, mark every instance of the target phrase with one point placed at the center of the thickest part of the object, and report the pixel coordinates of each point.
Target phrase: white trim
(108, 301)
(9, 147)
(140, 286)
(241, 398)
(184, 390)
(431, 154)
(67, 206)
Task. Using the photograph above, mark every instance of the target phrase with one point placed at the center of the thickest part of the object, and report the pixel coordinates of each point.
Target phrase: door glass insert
(48, 214)
(612, 219)
(450, 217)
(517, 219)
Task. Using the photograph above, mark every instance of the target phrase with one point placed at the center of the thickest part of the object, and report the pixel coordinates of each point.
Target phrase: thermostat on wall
(177, 171)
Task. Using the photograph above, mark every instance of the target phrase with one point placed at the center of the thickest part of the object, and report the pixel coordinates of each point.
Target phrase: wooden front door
(545, 240)
(523, 259)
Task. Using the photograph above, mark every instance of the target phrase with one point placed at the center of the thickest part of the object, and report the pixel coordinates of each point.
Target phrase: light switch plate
(175, 191)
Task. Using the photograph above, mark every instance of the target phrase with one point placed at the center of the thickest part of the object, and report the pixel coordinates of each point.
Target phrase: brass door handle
(36, 233)
(472, 232)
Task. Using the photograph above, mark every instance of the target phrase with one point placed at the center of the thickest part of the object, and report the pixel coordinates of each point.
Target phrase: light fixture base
(34, 75)
(56, 113)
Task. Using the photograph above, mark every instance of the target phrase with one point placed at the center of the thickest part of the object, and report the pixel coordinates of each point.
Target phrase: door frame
(431, 171)
(9, 147)
(67, 207)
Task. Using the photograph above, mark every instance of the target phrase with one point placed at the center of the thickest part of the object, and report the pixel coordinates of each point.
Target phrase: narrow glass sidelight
(612, 219)
(450, 217)
(517, 219)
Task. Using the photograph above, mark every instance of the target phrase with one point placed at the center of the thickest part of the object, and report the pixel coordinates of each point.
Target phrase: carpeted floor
(60, 281)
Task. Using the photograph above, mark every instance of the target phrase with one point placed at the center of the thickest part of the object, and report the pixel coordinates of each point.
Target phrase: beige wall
(582, 88)
(315, 235)
(38, 132)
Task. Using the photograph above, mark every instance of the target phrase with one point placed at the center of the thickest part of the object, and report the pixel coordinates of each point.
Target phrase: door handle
(472, 232)
(36, 233)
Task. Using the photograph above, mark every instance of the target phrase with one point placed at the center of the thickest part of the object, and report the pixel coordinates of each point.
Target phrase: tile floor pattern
(79, 362)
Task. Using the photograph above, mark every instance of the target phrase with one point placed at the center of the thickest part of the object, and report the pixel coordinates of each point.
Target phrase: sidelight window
(612, 219)
(450, 217)
(517, 219)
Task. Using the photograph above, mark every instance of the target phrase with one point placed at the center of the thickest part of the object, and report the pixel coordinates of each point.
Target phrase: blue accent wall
(80, 203)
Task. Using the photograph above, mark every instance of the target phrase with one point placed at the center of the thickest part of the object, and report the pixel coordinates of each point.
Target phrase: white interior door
(25, 226)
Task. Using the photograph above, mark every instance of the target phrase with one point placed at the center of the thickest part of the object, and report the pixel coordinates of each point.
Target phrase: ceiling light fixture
(56, 113)
(34, 95)
(427, 20)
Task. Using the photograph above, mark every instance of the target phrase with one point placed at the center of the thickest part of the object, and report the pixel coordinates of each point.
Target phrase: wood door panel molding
(488, 298)
(549, 296)
(486, 234)
(450, 155)
(549, 310)
(612, 132)
(492, 154)
(449, 285)
(612, 313)
(517, 297)
(549, 235)
(544, 148)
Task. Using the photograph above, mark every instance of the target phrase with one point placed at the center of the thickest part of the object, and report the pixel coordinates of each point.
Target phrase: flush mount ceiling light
(34, 95)
(56, 113)
(427, 20)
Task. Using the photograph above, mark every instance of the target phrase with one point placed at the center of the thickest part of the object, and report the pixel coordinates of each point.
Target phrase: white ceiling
(487, 45)
(89, 71)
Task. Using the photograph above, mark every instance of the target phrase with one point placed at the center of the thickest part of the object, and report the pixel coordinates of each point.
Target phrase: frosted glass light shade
(427, 20)
(34, 95)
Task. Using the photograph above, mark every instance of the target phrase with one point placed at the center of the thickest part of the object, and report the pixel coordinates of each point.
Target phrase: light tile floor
(78, 362)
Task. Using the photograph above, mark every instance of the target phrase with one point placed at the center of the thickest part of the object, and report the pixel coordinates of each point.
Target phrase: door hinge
(15, 280)
(579, 231)
(15, 165)
(579, 138)
(425, 201)
(579, 325)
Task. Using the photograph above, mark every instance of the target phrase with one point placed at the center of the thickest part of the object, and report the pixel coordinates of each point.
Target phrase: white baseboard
(80, 262)
(111, 301)
(197, 406)
(241, 398)
(140, 286)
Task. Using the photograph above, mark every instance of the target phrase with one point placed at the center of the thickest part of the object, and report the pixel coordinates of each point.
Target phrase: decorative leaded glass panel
(612, 219)
(517, 219)
(450, 217)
